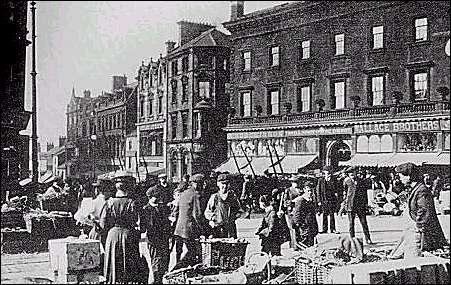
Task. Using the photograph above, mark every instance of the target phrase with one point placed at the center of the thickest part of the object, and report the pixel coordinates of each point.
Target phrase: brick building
(197, 71)
(321, 82)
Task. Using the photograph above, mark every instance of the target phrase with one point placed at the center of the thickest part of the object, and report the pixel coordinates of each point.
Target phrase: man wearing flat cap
(424, 232)
(190, 221)
(223, 209)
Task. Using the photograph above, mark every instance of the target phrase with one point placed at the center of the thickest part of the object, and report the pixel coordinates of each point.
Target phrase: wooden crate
(420, 270)
(225, 254)
(71, 255)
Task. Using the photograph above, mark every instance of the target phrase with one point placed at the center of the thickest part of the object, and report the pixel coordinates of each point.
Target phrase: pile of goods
(12, 212)
(53, 201)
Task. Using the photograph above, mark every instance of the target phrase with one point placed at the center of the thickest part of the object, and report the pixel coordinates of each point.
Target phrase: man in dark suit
(326, 195)
(191, 222)
(356, 203)
(428, 231)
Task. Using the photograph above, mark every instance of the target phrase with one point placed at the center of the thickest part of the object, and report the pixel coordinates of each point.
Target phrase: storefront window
(362, 144)
(424, 142)
(374, 144)
(446, 142)
(302, 145)
(386, 143)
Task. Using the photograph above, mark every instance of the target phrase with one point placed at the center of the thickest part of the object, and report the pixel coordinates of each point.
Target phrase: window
(304, 99)
(150, 107)
(274, 57)
(173, 164)
(130, 145)
(339, 44)
(204, 89)
(246, 108)
(246, 61)
(420, 86)
(141, 107)
(174, 126)
(378, 37)
(160, 104)
(421, 29)
(196, 124)
(339, 94)
(273, 102)
(184, 88)
(174, 67)
(174, 91)
(129, 162)
(185, 125)
(185, 64)
(417, 142)
(377, 90)
(159, 144)
(305, 49)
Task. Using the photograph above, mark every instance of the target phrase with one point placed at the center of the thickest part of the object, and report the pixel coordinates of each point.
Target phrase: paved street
(385, 231)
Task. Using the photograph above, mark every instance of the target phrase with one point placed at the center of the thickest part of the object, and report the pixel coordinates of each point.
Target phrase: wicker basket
(227, 255)
(310, 272)
(181, 276)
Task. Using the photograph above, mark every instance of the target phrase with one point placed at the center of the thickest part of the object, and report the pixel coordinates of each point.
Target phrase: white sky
(83, 44)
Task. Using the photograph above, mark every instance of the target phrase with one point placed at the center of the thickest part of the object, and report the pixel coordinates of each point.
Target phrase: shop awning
(441, 159)
(367, 159)
(415, 158)
(292, 163)
(259, 164)
(230, 166)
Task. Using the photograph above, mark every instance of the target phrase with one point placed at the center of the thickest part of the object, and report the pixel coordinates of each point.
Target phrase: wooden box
(71, 255)
(420, 270)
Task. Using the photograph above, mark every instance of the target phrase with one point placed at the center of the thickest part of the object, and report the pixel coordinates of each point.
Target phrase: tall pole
(34, 127)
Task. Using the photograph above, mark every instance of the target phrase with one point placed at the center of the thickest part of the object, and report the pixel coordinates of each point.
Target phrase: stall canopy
(230, 166)
(292, 163)
(441, 159)
(259, 164)
(416, 158)
(367, 159)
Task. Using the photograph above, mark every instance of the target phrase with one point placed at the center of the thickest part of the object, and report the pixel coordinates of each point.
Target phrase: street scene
(225, 142)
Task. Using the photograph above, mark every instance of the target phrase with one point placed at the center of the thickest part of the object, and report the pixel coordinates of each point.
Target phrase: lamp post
(93, 139)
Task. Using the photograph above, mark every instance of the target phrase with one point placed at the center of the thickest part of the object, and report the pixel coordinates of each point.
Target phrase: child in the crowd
(270, 231)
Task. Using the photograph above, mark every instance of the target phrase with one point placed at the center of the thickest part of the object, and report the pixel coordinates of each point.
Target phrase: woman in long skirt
(122, 242)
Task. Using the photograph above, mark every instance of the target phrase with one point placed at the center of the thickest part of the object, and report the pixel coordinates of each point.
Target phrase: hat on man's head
(308, 184)
(162, 175)
(152, 191)
(197, 177)
(406, 168)
(223, 178)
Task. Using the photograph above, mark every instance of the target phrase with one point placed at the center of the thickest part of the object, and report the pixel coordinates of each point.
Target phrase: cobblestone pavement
(385, 231)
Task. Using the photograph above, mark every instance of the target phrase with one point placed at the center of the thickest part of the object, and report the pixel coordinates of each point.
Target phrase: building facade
(14, 118)
(151, 117)
(197, 73)
(97, 128)
(328, 82)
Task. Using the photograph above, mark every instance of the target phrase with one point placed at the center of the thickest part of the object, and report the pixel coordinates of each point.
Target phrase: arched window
(386, 143)
(173, 165)
(362, 144)
(184, 162)
(374, 144)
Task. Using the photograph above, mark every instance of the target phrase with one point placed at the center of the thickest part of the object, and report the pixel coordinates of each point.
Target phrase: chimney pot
(237, 10)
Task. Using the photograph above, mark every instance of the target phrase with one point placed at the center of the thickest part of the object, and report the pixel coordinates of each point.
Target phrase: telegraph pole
(34, 127)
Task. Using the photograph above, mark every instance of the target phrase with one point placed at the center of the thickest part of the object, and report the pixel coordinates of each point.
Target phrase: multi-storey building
(97, 128)
(197, 71)
(151, 118)
(327, 81)
(14, 118)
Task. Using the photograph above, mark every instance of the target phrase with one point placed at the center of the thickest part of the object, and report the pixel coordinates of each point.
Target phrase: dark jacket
(190, 221)
(271, 229)
(304, 217)
(156, 225)
(326, 193)
(422, 211)
(356, 196)
(223, 212)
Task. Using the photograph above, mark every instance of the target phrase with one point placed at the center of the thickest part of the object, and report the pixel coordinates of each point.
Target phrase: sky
(82, 45)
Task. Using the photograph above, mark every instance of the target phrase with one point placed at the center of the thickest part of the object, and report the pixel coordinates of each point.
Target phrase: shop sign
(253, 135)
(318, 132)
(154, 126)
(397, 127)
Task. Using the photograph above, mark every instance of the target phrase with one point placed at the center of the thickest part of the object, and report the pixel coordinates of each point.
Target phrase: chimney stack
(237, 10)
(61, 141)
(87, 94)
(170, 45)
(119, 82)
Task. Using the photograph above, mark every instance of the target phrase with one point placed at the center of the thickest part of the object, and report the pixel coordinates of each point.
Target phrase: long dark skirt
(121, 255)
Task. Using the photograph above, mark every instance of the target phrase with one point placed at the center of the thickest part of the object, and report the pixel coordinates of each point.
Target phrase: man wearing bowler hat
(223, 209)
(326, 196)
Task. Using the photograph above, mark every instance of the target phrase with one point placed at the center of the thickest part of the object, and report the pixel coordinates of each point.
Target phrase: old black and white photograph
(225, 142)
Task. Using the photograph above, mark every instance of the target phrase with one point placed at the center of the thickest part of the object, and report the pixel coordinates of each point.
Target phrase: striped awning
(442, 159)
